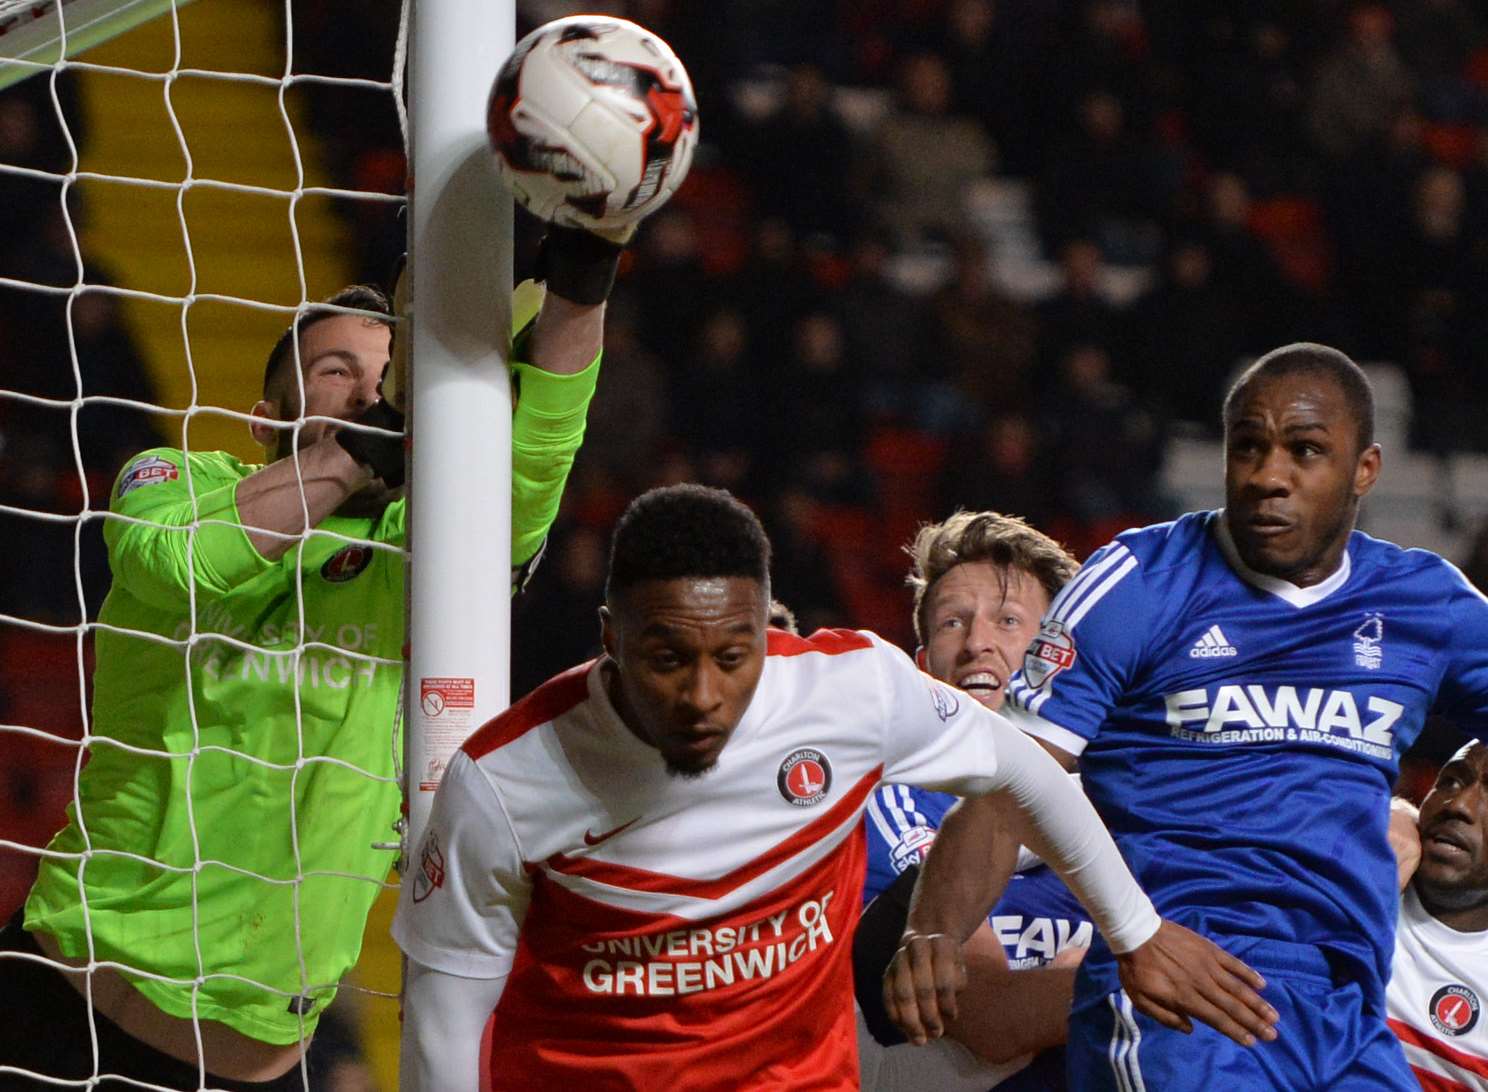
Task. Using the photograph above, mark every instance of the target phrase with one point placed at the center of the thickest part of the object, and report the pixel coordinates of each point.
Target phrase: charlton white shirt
(1438, 986)
(669, 933)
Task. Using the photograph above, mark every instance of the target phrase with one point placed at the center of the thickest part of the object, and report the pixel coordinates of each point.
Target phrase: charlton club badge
(1454, 1010)
(805, 777)
(346, 563)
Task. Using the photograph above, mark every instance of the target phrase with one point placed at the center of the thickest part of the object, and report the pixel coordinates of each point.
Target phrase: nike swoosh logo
(595, 839)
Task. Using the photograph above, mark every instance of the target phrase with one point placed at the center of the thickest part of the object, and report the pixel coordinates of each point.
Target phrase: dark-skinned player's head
(1299, 456)
(686, 604)
(1452, 879)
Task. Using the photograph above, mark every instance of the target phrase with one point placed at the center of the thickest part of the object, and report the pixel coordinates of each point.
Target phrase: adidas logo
(1212, 644)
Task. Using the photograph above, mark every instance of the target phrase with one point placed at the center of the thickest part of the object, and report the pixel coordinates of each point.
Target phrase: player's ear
(264, 435)
(922, 661)
(1367, 470)
(607, 632)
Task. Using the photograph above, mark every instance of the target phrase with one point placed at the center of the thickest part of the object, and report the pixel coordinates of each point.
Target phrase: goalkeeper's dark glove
(381, 454)
(580, 265)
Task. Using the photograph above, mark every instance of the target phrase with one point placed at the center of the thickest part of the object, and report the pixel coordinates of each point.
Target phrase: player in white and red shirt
(650, 868)
(1439, 977)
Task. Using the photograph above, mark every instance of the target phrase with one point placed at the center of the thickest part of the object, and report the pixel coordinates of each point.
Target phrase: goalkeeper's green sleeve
(547, 429)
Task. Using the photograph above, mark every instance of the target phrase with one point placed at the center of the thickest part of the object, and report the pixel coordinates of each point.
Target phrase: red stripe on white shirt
(640, 879)
(1469, 1062)
(549, 701)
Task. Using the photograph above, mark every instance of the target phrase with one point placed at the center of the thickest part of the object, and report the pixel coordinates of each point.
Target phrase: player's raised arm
(943, 740)
(555, 365)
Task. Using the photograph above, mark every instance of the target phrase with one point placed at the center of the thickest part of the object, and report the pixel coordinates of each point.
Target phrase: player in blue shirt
(982, 581)
(1238, 687)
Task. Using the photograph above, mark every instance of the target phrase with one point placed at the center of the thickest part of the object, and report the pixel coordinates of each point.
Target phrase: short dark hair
(782, 617)
(1007, 542)
(687, 531)
(1309, 358)
(361, 297)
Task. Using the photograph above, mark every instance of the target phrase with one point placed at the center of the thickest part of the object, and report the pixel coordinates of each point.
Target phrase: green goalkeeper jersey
(241, 765)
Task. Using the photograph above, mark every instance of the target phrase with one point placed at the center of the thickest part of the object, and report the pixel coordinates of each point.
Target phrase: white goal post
(460, 245)
(459, 226)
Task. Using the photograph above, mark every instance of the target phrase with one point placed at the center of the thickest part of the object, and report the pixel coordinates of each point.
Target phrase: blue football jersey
(1036, 918)
(1240, 735)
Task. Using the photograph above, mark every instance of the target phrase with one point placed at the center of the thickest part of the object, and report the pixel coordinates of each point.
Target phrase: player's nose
(704, 691)
(1273, 473)
(981, 636)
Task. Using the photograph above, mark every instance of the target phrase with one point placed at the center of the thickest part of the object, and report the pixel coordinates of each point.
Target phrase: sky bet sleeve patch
(147, 470)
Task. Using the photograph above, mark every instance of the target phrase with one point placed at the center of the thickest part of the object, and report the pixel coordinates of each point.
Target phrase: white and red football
(592, 121)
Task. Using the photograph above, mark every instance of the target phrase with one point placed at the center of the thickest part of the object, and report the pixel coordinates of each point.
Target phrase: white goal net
(170, 201)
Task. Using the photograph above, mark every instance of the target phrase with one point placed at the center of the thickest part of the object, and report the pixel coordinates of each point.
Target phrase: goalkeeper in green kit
(222, 843)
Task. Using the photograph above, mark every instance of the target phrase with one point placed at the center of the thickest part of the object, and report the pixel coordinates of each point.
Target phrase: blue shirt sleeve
(901, 822)
(1086, 653)
(1464, 689)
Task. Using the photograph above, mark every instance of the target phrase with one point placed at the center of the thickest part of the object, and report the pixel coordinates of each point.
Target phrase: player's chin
(991, 699)
(693, 756)
(1272, 554)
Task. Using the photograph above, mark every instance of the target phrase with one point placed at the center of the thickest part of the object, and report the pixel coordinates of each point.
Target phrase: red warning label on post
(448, 706)
(438, 695)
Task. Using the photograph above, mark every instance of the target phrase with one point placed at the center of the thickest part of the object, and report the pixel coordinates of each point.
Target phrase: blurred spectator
(633, 384)
(992, 50)
(557, 620)
(664, 284)
(982, 340)
(1244, 269)
(1107, 183)
(1437, 39)
(772, 290)
(799, 159)
(1360, 86)
(1245, 98)
(717, 404)
(881, 322)
(801, 572)
(1437, 314)
(1188, 332)
(1101, 46)
(815, 414)
(922, 157)
(1078, 313)
(1002, 468)
(1368, 208)
(1104, 447)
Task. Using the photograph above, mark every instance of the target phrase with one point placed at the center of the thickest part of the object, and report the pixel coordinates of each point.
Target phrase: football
(592, 121)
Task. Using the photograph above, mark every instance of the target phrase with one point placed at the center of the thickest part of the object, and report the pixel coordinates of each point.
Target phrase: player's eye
(665, 660)
(950, 623)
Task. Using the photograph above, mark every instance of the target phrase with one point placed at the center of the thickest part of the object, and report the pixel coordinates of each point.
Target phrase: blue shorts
(1329, 1041)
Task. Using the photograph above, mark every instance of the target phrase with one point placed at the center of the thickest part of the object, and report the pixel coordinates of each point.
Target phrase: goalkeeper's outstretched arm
(555, 368)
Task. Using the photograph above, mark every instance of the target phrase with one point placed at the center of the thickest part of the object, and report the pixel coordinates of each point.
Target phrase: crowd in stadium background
(817, 326)
(857, 330)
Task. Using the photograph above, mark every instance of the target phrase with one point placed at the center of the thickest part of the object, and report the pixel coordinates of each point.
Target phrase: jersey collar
(1437, 933)
(1282, 589)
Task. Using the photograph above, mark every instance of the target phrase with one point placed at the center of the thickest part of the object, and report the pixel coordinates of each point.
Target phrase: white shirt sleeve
(466, 894)
(940, 738)
(444, 1017)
